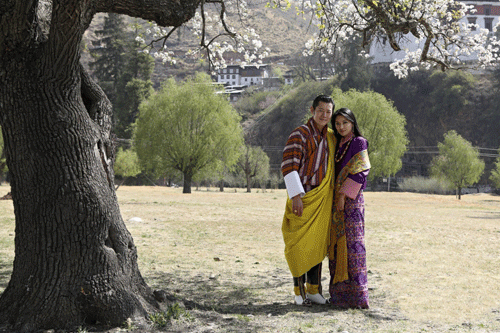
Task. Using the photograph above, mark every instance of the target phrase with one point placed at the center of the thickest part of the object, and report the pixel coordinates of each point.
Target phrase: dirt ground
(433, 261)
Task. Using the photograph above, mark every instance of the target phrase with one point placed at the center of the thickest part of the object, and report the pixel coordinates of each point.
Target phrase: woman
(347, 254)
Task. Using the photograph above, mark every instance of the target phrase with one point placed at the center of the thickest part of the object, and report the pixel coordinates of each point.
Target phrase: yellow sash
(359, 162)
(307, 237)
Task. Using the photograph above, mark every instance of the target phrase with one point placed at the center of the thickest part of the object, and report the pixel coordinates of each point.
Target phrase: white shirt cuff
(294, 185)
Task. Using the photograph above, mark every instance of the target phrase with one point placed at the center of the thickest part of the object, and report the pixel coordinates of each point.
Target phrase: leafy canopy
(381, 124)
(458, 162)
(127, 163)
(187, 127)
(495, 173)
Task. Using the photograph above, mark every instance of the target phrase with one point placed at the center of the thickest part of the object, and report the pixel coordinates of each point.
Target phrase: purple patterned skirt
(352, 293)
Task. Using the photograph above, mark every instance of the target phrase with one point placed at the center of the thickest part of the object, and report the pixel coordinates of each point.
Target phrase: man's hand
(297, 206)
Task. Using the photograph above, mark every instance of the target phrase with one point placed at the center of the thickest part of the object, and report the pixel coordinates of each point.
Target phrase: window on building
(224, 71)
(488, 23)
(472, 20)
(230, 70)
(487, 10)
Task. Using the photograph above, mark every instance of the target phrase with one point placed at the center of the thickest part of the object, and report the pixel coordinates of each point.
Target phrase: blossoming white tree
(221, 26)
(442, 36)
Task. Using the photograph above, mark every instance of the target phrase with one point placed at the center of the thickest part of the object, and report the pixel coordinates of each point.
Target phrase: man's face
(322, 114)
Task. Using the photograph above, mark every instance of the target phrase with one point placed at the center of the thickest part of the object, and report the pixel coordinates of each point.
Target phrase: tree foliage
(187, 127)
(108, 54)
(126, 164)
(495, 173)
(355, 68)
(458, 162)
(381, 124)
(450, 93)
(123, 70)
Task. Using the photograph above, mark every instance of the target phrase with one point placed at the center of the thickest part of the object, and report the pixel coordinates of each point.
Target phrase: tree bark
(75, 261)
(188, 178)
(249, 187)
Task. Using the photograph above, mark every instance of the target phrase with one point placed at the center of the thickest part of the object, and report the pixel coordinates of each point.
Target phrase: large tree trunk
(75, 261)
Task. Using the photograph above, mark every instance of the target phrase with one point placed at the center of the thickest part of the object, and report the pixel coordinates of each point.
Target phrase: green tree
(458, 162)
(108, 54)
(133, 86)
(358, 73)
(253, 164)
(381, 124)
(188, 127)
(123, 71)
(126, 164)
(495, 173)
(450, 92)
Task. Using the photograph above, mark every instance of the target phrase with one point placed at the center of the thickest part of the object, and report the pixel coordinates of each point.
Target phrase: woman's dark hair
(349, 116)
(324, 99)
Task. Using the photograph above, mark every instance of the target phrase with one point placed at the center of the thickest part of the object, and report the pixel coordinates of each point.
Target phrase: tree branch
(163, 12)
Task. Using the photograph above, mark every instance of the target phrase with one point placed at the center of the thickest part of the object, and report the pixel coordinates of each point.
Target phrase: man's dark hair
(325, 99)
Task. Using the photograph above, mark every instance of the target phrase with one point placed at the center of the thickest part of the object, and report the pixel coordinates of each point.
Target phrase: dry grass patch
(434, 261)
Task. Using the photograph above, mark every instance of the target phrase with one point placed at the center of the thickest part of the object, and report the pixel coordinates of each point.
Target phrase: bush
(426, 185)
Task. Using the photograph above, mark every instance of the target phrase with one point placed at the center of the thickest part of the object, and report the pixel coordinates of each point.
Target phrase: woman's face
(342, 125)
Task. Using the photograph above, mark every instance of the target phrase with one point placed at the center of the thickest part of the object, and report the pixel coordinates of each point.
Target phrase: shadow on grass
(241, 305)
(493, 216)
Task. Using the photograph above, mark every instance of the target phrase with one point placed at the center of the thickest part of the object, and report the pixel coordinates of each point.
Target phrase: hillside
(272, 128)
(283, 32)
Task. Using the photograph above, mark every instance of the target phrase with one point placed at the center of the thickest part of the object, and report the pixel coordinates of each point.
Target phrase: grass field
(434, 261)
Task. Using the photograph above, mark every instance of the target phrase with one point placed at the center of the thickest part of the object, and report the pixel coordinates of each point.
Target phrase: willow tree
(187, 127)
(458, 162)
(74, 261)
(382, 125)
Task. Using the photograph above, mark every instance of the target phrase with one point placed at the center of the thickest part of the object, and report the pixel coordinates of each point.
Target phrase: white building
(486, 17)
(239, 75)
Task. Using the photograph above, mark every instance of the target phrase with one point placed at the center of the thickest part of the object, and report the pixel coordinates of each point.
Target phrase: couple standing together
(325, 173)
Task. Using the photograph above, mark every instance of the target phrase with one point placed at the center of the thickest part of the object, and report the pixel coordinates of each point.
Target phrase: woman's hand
(339, 205)
(297, 206)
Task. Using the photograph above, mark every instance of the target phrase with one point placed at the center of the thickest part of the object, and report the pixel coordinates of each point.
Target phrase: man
(307, 168)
